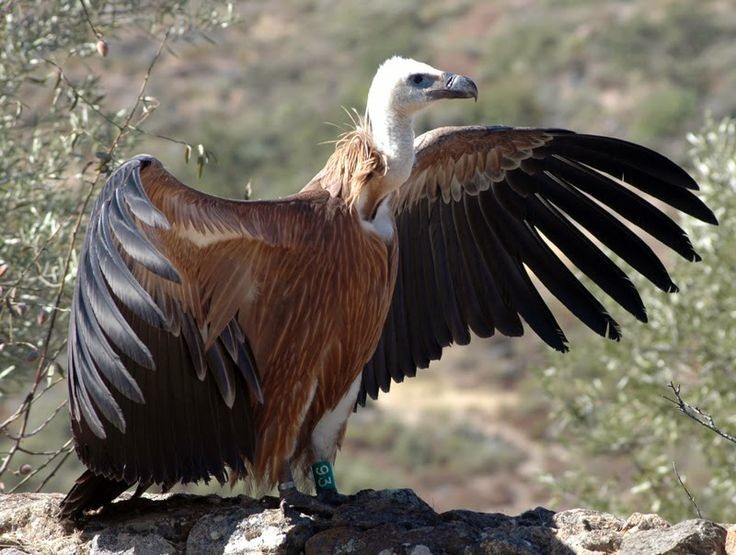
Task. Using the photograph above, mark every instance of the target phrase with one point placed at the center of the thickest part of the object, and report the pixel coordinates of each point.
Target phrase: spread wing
(480, 212)
(159, 365)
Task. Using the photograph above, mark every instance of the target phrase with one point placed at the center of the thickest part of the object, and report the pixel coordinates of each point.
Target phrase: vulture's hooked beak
(451, 85)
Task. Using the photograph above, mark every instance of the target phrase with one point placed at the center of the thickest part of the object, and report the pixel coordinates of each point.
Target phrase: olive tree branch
(25, 408)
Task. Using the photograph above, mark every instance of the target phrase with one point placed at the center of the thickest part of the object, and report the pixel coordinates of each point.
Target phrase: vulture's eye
(417, 78)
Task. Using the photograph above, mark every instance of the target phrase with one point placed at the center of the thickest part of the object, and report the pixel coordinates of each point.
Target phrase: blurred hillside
(259, 96)
(472, 431)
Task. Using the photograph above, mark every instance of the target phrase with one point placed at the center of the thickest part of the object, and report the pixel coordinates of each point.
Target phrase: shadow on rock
(385, 522)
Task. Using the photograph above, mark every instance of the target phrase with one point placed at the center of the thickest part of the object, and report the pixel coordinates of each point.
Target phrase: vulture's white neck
(393, 135)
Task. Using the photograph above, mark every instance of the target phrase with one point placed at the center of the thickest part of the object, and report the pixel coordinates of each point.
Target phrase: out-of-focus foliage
(610, 405)
(59, 135)
(643, 70)
(438, 448)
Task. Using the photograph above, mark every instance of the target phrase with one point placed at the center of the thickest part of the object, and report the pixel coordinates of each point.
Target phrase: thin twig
(41, 426)
(66, 447)
(693, 412)
(33, 453)
(132, 127)
(55, 470)
(89, 20)
(86, 101)
(26, 411)
(687, 491)
(13, 417)
(35, 259)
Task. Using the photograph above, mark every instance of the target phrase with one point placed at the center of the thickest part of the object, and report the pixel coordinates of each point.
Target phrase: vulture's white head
(403, 86)
(399, 90)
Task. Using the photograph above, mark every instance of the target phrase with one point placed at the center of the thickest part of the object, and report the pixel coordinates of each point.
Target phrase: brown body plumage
(303, 317)
(210, 335)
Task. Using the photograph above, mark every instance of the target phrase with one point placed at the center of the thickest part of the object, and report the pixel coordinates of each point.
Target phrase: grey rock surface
(386, 522)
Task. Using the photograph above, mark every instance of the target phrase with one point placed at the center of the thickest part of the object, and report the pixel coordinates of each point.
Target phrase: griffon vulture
(211, 337)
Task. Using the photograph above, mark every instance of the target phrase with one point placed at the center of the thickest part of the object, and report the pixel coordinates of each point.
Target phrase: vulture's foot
(332, 497)
(293, 499)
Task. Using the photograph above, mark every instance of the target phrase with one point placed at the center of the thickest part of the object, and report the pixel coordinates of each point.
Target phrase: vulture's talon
(332, 497)
(293, 499)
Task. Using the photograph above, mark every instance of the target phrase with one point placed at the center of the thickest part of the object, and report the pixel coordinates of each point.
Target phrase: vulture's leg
(324, 482)
(292, 498)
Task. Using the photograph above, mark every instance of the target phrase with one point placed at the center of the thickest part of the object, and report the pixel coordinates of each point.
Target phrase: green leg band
(324, 478)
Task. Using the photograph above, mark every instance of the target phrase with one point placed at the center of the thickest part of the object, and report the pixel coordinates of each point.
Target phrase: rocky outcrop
(385, 522)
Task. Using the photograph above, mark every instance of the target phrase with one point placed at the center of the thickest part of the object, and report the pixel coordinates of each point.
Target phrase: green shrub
(609, 398)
